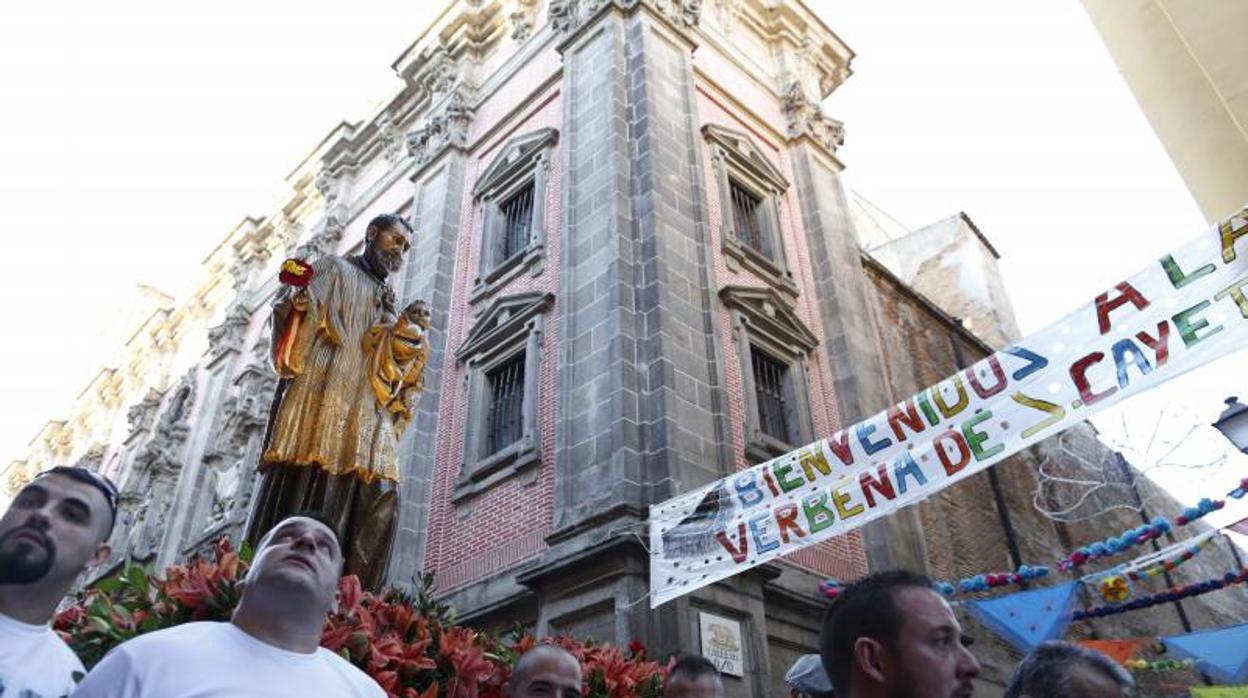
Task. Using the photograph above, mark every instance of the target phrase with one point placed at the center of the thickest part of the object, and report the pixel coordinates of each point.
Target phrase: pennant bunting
(1222, 653)
(1027, 618)
(1219, 691)
(1120, 651)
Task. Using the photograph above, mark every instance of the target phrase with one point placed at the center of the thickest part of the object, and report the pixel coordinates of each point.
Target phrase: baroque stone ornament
(806, 118)
(326, 239)
(228, 336)
(441, 72)
(157, 468)
(568, 15)
(522, 19)
(92, 459)
(140, 416)
(327, 186)
(244, 416)
(240, 272)
(391, 141)
(446, 127)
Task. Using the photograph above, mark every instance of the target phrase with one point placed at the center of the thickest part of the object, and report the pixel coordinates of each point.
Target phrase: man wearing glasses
(56, 527)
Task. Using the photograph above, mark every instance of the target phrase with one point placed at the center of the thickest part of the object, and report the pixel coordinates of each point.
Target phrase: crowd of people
(889, 634)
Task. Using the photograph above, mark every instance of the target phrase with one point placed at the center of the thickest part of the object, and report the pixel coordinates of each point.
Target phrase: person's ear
(335, 602)
(869, 658)
(100, 556)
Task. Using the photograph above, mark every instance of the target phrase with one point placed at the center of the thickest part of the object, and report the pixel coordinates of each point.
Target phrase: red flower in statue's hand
(295, 272)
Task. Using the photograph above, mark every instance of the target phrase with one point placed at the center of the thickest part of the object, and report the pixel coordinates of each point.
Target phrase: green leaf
(245, 552)
(139, 581)
(99, 608)
(102, 626)
(112, 585)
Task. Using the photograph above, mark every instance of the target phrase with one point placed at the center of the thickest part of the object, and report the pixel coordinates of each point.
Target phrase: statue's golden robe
(330, 416)
(351, 374)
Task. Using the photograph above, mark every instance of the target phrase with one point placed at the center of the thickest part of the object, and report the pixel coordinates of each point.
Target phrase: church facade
(643, 274)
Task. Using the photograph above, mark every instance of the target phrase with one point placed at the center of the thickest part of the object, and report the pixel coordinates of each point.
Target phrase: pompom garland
(984, 582)
(1171, 594)
(1239, 492)
(1116, 544)
(1203, 508)
(1160, 664)
(830, 588)
(1142, 534)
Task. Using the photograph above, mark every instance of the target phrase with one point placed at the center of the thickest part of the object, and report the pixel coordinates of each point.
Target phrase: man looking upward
(55, 528)
(271, 647)
(546, 671)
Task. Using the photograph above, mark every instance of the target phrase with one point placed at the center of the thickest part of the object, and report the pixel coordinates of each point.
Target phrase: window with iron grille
(505, 421)
(517, 222)
(746, 218)
(769, 378)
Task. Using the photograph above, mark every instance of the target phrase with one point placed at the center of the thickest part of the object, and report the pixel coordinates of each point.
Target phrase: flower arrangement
(408, 643)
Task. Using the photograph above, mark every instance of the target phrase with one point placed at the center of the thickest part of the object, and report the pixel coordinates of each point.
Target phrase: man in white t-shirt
(55, 527)
(271, 647)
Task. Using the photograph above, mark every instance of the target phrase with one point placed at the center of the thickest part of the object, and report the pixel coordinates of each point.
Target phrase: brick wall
(843, 557)
(505, 524)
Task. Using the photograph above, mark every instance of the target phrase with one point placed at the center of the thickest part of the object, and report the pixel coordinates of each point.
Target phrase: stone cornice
(805, 48)
(571, 18)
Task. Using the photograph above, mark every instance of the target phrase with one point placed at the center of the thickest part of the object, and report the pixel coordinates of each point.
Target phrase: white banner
(1177, 314)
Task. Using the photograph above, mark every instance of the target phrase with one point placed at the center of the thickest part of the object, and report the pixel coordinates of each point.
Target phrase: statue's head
(418, 313)
(386, 239)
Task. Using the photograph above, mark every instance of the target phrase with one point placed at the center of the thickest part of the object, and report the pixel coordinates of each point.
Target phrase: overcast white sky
(135, 134)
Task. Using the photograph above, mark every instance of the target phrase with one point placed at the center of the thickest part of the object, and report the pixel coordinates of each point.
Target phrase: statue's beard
(22, 562)
(391, 261)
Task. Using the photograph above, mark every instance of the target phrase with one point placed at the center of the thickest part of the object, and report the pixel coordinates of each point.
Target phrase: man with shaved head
(271, 647)
(546, 671)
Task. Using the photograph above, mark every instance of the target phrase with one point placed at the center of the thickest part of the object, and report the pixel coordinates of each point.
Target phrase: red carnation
(295, 272)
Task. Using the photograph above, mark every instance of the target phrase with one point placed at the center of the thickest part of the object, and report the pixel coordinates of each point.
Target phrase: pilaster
(841, 297)
(439, 194)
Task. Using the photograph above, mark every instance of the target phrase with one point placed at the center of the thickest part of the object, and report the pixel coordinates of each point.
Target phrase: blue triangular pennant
(1027, 618)
(1222, 653)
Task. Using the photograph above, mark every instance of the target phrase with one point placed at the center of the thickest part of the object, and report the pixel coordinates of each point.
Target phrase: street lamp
(1233, 423)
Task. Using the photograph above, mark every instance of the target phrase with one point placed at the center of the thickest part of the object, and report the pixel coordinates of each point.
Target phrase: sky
(135, 134)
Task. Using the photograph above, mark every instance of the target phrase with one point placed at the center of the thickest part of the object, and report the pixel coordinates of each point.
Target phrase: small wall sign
(721, 643)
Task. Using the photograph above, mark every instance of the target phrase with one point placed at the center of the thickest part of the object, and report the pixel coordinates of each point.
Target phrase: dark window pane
(747, 210)
(505, 421)
(517, 219)
(769, 377)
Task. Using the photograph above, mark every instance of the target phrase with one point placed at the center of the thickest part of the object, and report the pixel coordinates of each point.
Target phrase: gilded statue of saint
(351, 370)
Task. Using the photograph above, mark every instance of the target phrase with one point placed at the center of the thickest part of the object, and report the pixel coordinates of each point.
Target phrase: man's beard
(20, 562)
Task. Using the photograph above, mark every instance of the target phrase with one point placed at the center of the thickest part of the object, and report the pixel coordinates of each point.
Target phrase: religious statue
(351, 369)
